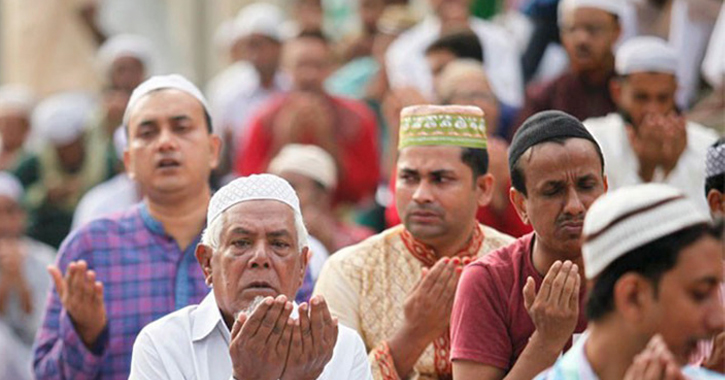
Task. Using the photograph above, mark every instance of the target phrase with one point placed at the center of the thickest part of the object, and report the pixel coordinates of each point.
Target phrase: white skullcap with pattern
(10, 186)
(253, 188)
(631, 217)
(715, 162)
(160, 82)
(645, 54)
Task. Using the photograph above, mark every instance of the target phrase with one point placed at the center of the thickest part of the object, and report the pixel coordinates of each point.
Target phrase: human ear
(484, 183)
(632, 297)
(519, 201)
(203, 256)
(715, 201)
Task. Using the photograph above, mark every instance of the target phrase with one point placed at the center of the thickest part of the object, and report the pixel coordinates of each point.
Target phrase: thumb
(529, 292)
(57, 279)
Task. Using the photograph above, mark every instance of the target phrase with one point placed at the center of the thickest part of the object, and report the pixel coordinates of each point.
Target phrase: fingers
(559, 283)
(279, 319)
(529, 292)
(283, 345)
(546, 285)
(254, 321)
(431, 277)
(439, 290)
(238, 323)
(574, 297)
(317, 319)
(57, 279)
(569, 286)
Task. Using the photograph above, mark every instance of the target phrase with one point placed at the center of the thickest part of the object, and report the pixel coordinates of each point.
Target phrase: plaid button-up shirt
(145, 276)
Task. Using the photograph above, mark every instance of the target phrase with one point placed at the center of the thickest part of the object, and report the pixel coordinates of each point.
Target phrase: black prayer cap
(545, 126)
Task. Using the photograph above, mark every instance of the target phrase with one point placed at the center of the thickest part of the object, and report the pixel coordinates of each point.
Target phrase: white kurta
(193, 343)
(407, 66)
(622, 166)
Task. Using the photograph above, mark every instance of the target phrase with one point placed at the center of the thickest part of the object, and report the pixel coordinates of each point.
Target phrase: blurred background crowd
(310, 90)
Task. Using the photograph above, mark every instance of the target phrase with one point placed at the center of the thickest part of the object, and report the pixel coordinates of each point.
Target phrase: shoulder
(495, 239)
(372, 246)
(507, 257)
(176, 325)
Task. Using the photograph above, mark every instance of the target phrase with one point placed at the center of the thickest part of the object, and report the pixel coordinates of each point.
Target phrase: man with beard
(518, 307)
(648, 140)
(254, 254)
(307, 114)
(589, 29)
(396, 288)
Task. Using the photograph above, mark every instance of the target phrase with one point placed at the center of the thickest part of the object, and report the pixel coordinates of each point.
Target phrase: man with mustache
(118, 273)
(648, 140)
(396, 288)
(517, 308)
(254, 255)
(589, 29)
(654, 265)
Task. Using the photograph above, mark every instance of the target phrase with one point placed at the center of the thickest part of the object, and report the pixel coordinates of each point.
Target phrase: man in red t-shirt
(345, 128)
(517, 308)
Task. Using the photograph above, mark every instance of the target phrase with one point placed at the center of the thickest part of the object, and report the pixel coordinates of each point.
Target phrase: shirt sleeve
(382, 364)
(479, 326)
(146, 363)
(59, 352)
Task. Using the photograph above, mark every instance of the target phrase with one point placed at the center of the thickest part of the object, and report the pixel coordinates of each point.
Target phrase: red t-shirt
(489, 322)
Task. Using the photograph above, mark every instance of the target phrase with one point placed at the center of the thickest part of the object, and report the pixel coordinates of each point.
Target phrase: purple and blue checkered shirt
(145, 276)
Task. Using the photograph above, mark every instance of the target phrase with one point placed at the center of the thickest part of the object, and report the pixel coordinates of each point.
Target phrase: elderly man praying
(254, 254)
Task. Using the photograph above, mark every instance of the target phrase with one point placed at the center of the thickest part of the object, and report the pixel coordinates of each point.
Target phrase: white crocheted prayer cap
(308, 160)
(159, 82)
(252, 188)
(645, 54)
(631, 217)
(259, 18)
(125, 45)
(62, 118)
(615, 7)
(10, 186)
(715, 162)
(16, 98)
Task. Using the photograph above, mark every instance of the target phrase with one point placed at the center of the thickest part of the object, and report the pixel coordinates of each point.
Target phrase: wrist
(547, 347)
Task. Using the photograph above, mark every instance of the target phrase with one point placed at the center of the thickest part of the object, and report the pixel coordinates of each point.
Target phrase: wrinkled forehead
(263, 212)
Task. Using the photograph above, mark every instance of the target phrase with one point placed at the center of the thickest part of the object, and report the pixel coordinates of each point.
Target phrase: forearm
(538, 355)
(406, 346)
(61, 354)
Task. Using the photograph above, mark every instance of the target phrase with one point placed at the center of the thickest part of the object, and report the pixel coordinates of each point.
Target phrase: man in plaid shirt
(116, 274)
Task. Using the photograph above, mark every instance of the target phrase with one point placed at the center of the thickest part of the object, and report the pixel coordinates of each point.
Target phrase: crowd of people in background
(408, 189)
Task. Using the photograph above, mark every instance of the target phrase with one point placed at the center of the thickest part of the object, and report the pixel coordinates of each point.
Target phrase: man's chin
(425, 231)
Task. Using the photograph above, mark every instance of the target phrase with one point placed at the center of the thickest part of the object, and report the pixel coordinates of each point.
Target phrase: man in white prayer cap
(16, 107)
(254, 253)
(654, 266)
(589, 30)
(65, 167)
(125, 60)
(118, 273)
(648, 140)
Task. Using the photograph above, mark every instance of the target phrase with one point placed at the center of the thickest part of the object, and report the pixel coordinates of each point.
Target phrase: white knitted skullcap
(159, 82)
(62, 118)
(715, 162)
(615, 7)
(308, 160)
(645, 54)
(259, 18)
(253, 188)
(125, 45)
(16, 98)
(10, 186)
(631, 217)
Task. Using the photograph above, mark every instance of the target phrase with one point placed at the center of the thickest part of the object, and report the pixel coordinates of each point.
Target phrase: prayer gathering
(362, 190)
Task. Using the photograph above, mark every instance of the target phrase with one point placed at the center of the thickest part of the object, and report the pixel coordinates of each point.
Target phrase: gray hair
(212, 233)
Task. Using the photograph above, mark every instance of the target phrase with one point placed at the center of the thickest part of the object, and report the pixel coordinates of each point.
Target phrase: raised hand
(82, 297)
(265, 333)
(716, 360)
(555, 308)
(654, 363)
(313, 341)
(428, 306)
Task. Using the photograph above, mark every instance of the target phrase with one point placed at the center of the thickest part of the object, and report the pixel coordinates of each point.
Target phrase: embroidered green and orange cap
(452, 125)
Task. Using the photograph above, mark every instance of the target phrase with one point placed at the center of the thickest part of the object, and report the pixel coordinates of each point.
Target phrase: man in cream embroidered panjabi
(397, 288)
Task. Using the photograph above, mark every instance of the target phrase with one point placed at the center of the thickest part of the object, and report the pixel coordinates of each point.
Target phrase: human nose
(573, 204)
(167, 140)
(423, 193)
(260, 258)
(716, 317)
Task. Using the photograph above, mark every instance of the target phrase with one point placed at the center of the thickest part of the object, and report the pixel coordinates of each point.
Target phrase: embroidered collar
(427, 256)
